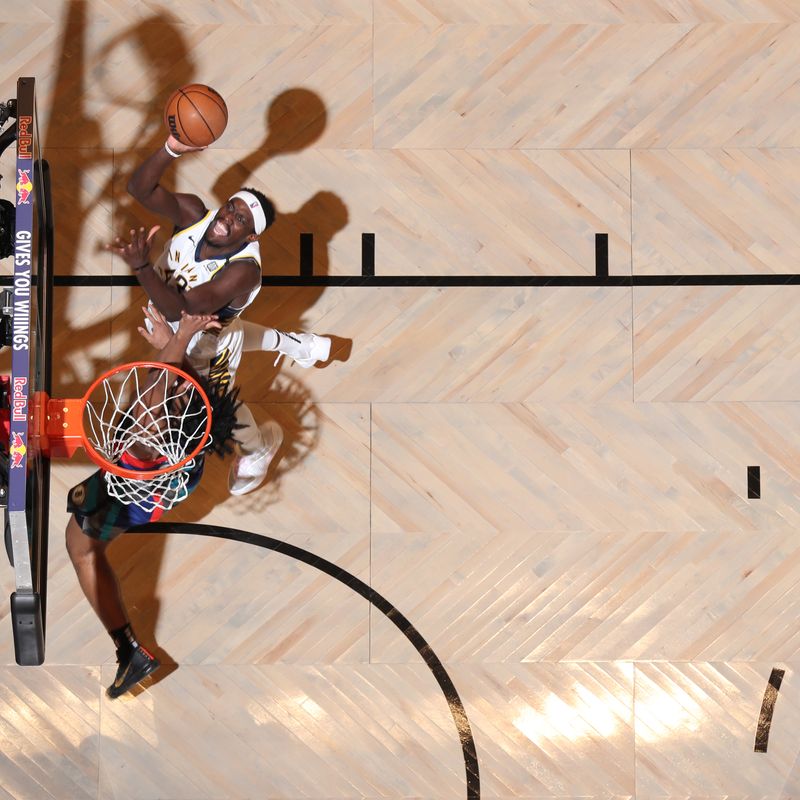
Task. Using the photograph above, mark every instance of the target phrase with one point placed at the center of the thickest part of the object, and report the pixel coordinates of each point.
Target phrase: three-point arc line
(767, 707)
(436, 667)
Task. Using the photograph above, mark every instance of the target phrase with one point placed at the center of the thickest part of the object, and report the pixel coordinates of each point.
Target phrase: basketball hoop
(142, 423)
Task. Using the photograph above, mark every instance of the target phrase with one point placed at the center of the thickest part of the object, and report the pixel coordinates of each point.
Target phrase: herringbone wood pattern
(548, 482)
(641, 86)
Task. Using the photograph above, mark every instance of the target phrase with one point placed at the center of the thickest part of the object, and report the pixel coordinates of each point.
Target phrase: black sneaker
(131, 671)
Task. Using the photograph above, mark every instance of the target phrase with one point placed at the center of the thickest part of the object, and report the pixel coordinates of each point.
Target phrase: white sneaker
(247, 472)
(305, 348)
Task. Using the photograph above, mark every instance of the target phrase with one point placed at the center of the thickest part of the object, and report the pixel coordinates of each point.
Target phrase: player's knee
(79, 546)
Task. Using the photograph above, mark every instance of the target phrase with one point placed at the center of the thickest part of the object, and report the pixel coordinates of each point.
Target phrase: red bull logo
(19, 399)
(17, 450)
(24, 186)
(24, 137)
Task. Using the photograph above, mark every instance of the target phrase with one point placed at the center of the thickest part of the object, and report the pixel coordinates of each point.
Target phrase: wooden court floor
(548, 482)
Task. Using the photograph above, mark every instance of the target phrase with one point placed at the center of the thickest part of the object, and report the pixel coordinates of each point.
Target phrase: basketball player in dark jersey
(98, 517)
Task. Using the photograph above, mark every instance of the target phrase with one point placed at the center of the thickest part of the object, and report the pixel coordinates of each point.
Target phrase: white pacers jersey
(214, 355)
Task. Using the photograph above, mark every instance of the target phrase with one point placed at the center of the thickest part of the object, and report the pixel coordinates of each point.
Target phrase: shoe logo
(119, 681)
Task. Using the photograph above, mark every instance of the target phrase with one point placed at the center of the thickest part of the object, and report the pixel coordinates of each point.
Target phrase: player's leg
(255, 449)
(255, 446)
(95, 576)
(306, 349)
(91, 527)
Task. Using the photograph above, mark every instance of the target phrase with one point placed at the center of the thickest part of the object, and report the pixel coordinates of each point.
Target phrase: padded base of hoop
(28, 627)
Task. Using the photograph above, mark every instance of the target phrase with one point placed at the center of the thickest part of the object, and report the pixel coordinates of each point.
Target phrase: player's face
(231, 225)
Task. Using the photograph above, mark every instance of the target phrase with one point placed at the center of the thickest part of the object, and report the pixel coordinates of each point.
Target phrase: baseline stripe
(499, 281)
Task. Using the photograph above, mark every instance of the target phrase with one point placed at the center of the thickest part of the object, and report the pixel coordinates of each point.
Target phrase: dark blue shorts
(102, 516)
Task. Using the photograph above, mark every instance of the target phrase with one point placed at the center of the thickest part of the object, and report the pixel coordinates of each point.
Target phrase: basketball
(196, 115)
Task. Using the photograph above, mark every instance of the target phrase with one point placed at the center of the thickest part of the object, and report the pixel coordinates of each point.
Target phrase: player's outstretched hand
(136, 252)
(191, 324)
(158, 333)
(179, 147)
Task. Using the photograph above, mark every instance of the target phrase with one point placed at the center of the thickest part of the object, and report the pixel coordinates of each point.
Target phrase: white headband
(253, 203)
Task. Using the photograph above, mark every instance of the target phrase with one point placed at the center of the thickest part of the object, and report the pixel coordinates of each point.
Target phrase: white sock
(259, 338)
(249, 438)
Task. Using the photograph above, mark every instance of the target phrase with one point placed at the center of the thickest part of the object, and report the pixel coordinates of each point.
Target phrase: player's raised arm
(236, 279)
(174, 351)
(144, 186)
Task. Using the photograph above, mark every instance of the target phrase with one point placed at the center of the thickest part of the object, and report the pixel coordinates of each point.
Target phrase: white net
(162, 491)
(147, 419)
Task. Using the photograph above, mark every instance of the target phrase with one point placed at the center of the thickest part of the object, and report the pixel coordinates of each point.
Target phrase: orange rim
(101, 461)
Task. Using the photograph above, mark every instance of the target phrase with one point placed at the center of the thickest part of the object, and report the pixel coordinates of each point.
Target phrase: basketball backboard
(29, 328)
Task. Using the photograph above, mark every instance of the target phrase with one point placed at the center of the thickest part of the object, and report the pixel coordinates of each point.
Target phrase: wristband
(170, 151)
(142, 266)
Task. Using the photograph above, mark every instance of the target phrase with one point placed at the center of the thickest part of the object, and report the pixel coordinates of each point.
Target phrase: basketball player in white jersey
(212, 265)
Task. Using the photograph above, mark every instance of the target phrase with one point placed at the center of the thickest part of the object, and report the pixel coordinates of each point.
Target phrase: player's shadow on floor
(295, 119)
(297, 414)
(78, 140)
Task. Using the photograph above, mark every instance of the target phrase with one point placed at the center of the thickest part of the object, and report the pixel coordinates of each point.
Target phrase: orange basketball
(196, 115)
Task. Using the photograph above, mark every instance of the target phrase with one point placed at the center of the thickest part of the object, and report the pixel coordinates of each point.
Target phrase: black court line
(436, 667)
(368, 255)
(767, 707)
(601, 255)
(306, 254)
(444, 281)
(753, 483)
